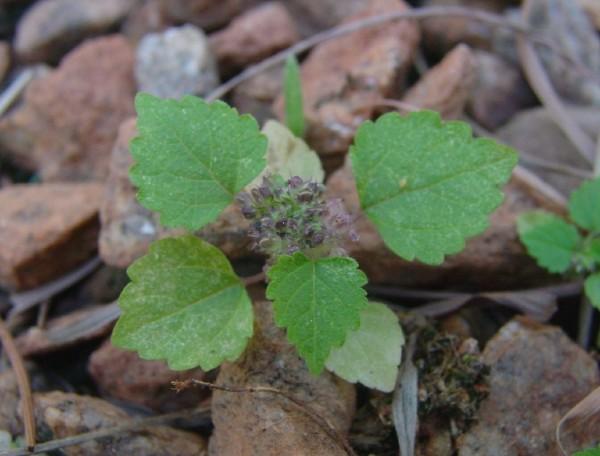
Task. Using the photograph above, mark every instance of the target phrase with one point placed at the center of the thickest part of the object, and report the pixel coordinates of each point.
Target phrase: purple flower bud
(315, 188)
(264, 191)
(316, 239)
(295, 182)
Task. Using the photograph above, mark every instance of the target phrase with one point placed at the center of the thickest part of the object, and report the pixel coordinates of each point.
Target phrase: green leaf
(592, 289)
(549, 239)
(589, 255)
(184, 304)
(292, 92)
(192, 158)
(318, 301)
(584, 205)
(372, 353)
(427, 185)
(592, 250)
(588, 452)
(288, 156)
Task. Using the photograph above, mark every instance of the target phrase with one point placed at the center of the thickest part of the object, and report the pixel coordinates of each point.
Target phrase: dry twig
(541, 85)
(323, 423)
(8, 97)
(533, 161)
(23, 381)
(494, 20)
(28, 299)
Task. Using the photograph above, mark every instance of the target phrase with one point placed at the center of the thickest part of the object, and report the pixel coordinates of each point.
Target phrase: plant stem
(597, 162)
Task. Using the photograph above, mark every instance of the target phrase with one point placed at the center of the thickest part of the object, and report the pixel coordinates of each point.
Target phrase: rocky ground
(65, 199)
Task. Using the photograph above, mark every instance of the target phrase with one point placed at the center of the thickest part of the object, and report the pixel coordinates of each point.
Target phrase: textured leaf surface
(289, 156)
(317, 301)
(192, 158)
(184, 304)
(372, 353)
(427, 185)
(292, 89)
(584, 205)
(549, 239)
(592, 289)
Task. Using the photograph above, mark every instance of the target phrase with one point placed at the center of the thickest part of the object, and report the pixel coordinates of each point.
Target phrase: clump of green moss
(452, 377)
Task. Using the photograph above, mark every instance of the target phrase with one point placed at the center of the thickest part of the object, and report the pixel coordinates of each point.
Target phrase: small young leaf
(292, 90)
(184, 304)
(592, 289)
(549, 239)
(592, 250)
(589, 254)
(427, 185)
(192, 158)
(584, 205)
(372, 353)
(318, 301)
(288, 156)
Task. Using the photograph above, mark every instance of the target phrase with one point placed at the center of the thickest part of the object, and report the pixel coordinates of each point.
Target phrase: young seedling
(292, 90)
(563, 247)
(427, 186)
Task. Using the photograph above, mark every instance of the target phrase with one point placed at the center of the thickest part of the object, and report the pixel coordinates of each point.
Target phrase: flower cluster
(293, 216)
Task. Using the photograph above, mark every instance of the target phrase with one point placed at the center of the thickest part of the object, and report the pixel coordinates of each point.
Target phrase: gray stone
(52, 27)
(537, 375)
(500, 91)
(175, 62)
(573, 63)
(534, 134)
(61, 415)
